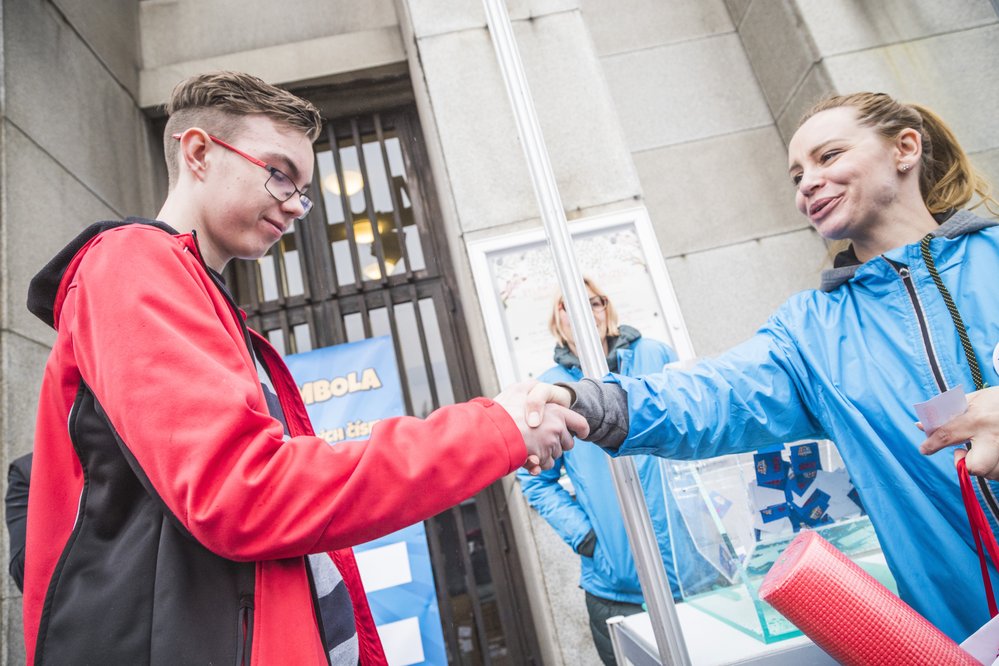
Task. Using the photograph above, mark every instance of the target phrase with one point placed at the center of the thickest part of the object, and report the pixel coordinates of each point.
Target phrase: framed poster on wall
(517, 285)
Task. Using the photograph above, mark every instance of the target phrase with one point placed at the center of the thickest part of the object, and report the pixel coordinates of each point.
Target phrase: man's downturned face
(242, 220)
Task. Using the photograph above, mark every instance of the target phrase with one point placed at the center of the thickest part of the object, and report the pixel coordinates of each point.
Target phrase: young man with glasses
(178, 496)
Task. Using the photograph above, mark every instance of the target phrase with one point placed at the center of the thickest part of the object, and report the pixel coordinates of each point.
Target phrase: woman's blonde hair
(947, 180)
(555, 322)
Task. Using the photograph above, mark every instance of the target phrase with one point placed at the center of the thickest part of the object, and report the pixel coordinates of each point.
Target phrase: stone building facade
(682, 106)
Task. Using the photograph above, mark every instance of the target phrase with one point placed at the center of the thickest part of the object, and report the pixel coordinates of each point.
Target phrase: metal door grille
(355, 268)
(368, 262)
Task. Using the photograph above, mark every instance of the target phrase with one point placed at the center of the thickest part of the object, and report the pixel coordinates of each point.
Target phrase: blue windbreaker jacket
(611, 573)
(848, 365)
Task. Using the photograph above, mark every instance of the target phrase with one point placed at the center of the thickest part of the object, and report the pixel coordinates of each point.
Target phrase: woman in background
(591, 523)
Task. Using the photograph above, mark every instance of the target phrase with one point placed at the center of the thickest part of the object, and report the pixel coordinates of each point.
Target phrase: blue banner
(347, 389)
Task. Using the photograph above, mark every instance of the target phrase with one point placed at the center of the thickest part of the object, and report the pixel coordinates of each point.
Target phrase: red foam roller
(848, 613)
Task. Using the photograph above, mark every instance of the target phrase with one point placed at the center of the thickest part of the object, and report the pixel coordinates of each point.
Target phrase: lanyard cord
(962, 332)
(976, 516)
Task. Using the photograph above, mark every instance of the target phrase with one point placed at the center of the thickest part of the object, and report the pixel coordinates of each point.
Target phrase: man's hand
(980, 426)
(542, 394)
(551, 435)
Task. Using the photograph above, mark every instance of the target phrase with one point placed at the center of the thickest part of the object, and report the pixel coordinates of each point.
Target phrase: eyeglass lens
(597, 304)
(282, 188)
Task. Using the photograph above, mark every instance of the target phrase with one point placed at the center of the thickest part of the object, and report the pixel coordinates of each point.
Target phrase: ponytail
(948, 180)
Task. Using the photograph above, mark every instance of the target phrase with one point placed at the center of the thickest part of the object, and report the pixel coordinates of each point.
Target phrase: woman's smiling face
(845, 174)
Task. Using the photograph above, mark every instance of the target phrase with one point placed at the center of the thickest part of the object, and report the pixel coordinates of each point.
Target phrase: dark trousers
(600, 611)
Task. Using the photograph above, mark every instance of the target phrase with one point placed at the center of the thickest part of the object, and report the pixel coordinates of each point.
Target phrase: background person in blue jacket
(591, 523)
(910, 309)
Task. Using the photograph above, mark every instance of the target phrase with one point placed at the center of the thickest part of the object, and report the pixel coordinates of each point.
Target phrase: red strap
(981, 531)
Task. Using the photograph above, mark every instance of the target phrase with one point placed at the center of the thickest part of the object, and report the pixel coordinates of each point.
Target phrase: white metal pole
(644, 546)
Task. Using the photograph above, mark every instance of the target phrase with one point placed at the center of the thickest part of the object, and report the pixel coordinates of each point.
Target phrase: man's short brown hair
(218, 102)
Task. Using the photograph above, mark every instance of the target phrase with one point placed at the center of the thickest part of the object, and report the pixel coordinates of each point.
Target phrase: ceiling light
(352, 180)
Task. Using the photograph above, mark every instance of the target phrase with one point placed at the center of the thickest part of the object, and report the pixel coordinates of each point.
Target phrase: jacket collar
(44, 287)
(952, 225)
(627, 335)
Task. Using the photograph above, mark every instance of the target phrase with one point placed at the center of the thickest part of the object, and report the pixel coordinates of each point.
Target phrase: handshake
(548, 429)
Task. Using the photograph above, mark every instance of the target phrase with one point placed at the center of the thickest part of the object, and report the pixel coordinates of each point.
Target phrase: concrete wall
(309, 41)
(708, 94)
(710, 160)
(75, 149)
(682, 106)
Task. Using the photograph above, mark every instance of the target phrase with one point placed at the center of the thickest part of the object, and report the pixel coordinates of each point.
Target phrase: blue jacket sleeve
(754, 395)
(669, 354)
(555, 504)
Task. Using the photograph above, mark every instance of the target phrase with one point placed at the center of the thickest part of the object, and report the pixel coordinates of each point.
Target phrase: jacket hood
(44, 287)
(952, 225)
(627, 335)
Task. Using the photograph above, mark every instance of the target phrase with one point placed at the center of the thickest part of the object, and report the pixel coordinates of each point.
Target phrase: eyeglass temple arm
(234, 149)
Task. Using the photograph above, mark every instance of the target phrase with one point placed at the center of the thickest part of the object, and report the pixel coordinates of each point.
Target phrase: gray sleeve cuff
(605, 408)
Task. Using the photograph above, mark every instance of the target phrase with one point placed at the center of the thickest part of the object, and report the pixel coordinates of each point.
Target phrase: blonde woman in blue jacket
(591, 522)
(849, 361)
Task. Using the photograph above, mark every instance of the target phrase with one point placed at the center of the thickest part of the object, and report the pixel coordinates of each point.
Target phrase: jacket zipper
(246, 604)
(924, 330)
(910, 287)
(244, 626)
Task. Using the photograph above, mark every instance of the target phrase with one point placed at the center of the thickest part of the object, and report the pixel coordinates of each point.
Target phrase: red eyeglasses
(597, 304)
(279, 185)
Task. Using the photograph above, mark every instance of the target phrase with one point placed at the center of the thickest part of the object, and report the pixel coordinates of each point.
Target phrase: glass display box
(743, 510)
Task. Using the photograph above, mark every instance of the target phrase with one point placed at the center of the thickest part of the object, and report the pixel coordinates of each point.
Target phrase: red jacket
(168, 517)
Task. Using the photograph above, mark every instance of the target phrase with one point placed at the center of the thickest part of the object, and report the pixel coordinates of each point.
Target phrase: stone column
(484, 190)
(75, 149)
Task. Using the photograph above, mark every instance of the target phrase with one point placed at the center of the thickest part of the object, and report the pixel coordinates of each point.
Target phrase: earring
(904, 167)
